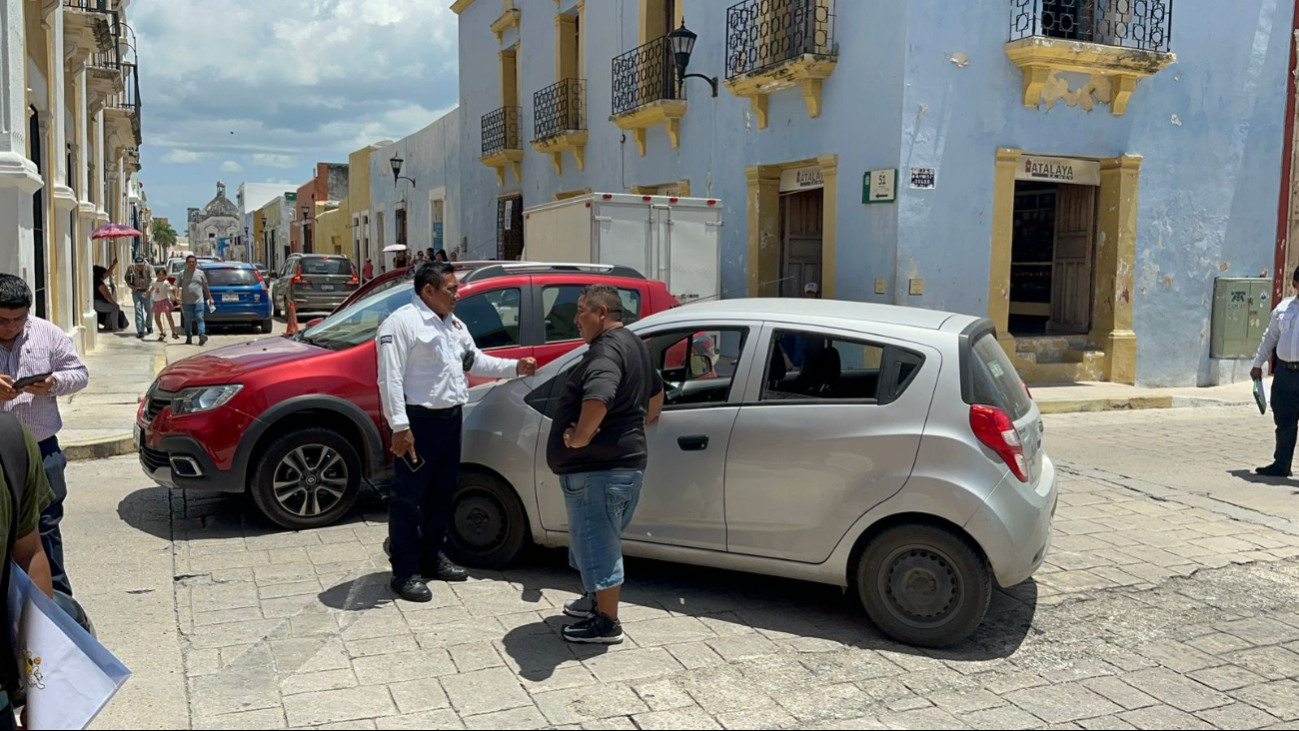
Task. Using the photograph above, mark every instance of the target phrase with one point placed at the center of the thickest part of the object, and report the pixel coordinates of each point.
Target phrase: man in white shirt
(1282, 341)
(425, 352)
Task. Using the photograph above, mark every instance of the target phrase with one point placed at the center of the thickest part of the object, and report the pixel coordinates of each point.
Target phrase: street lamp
(682, 41)
(397, 162)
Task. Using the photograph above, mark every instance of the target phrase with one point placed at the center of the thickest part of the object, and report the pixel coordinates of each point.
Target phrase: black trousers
(1285, 412)
(54, 462)
(419, 510)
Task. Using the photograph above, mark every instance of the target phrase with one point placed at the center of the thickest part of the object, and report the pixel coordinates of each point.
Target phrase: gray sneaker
(582, 607)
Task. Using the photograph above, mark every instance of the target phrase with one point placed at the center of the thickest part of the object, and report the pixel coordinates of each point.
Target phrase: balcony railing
(129, 99)
(559, 108)
(1142, 25)
(645, 75)
(88, 6)
(765, 33)
(501, 130)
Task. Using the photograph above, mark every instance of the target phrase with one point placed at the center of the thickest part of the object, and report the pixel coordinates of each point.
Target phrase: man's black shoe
(412, 590)
(202, 340)
(189, 341)
(598, 630)
(445, 570)
(1273, 470)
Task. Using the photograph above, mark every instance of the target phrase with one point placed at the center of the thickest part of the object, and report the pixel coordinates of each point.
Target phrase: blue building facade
(1079, 170)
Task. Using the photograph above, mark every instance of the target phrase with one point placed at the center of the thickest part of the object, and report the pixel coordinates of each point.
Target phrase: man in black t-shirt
(597, 446)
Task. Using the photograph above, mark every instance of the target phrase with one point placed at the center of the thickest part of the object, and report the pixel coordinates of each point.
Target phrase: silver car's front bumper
(1014, 525)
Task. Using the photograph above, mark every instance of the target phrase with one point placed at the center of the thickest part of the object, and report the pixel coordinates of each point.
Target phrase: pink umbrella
(115, 231)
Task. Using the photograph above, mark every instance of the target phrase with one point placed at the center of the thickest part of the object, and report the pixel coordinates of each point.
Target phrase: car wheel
(268, 325)
(307, 479)
(924, 585)
(489, 528)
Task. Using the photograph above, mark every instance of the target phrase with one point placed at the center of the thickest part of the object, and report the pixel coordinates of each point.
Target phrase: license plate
(229, 298)
(138, 437)
(326, 288)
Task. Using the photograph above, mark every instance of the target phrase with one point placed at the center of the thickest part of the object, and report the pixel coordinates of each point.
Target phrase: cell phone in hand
(22, 383)
(413, 461)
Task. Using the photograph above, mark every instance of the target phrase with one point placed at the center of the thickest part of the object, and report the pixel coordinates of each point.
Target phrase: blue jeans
(600, 507)
(54, 462)
(143, 310)
(194, 315)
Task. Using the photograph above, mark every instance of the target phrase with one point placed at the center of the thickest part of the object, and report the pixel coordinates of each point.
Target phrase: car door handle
(693, 442)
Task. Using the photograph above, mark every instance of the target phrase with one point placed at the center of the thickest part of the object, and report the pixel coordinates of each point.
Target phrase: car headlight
(204, 398)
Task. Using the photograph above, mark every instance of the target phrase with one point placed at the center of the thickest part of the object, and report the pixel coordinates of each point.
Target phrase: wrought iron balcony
(87, 6)
(645, 75)
(559, 108)
(129, 99)
(1142, 25)
(761, 34)
(501, 131)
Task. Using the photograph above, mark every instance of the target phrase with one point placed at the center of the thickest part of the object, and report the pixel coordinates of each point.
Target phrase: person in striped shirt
(31, 346)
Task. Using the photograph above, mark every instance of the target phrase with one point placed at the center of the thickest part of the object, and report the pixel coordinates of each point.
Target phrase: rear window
(327, 266)
(995, 382)
(231, 277)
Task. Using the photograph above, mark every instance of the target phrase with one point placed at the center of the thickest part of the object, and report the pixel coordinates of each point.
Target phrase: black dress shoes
(1273, 470)
(412, 590)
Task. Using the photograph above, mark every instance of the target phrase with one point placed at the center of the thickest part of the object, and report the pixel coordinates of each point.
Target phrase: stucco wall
(432, 157)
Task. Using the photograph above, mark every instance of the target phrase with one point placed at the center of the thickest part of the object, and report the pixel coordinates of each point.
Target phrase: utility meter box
(1242, 308)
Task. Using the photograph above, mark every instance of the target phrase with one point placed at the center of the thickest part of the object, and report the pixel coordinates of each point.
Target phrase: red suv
(296, 420)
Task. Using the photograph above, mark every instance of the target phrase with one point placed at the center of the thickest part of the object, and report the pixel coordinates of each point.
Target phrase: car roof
(321, 256)
(828, 310)
(225, 265)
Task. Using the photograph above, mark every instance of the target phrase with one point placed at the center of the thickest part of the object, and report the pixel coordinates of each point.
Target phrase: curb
(115, 446)
(1134, 403)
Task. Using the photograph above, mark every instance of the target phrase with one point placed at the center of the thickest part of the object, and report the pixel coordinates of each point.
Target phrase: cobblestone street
(1169, 601)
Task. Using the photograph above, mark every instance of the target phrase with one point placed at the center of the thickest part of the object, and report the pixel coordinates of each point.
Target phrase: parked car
(176, 265)
(893, 451)
(240, 294)
(265, 416)
(314, 282)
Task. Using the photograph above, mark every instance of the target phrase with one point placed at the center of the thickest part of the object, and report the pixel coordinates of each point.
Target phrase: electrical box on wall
(1242, 308)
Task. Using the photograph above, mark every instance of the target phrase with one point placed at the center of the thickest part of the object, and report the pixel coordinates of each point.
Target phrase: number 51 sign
(879, 186)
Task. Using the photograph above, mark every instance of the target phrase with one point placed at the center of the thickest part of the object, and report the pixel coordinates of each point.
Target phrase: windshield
(337, 265)
(231, 277)
(360, 321)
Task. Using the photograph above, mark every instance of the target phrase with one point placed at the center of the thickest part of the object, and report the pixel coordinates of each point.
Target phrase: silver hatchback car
(888, 450)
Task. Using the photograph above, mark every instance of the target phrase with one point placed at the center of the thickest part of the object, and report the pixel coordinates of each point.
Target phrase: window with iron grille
(501, 130)
(509, 228)
(765, 33)
(645, 75)
(1143, 25)
(559, 108)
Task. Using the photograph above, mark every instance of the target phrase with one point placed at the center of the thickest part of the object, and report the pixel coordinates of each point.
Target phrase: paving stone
(1105, 723)
(1177, 656)
(478, 656)
(1005, 717)
(373, 624)
(1175, 690)
(1158, 718)
(316, 682)
(1236, 716)
(460, 633)
(336, 706)
(676, 630)
(768, 718)
(226, 616)
(486, 691)
(1272, 663)
(445, 719)
(618, 723)
(418, 696)
(518, 718)
(1261, 631)
(237, 633)
(1227, 677)
(691, 718)
(743, 647)
(309, 655)
(202, 662)
(965, 701)
(402, 666)
(1063, 703)
(633, 665)
(560, 678)
(926, 718)
(722, 690)
(531, 653)
(1279, 698)
(252, 720)
(695, 655)
(592, 703)
(1120, 693)
(382, 646)
(663, 695)
(234, 691)
(1218, 643)
(296, 588)
(827, 702)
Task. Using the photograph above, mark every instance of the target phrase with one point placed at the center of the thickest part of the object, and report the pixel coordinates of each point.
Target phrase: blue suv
(240, 293)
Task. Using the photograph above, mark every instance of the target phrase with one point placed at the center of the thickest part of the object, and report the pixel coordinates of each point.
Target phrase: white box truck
(674, 240)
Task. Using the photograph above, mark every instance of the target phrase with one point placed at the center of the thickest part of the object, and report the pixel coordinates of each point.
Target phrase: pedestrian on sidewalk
(367, 271)
(163, 296)
(1281, 342)
(195, 297)
(440, 256)
(139, 277)
(32, 346)
(425, 352)
(597, 446)
(105, 302)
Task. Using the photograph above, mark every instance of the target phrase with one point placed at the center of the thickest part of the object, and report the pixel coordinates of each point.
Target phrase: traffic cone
(293, 318)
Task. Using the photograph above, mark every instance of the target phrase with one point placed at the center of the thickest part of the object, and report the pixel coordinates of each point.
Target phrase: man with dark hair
(597, 446)
(140, 277)
(31, 346)
(1281, 346)
(195, 296)
(424, 353)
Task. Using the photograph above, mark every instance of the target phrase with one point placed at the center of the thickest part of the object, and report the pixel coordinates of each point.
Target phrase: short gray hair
(602, 295)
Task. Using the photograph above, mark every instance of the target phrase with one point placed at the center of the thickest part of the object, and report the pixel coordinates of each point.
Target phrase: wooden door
(1071, 274)
(802, 217)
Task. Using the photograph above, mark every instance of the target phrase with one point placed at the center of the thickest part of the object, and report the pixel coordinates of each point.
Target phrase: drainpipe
(1287, 159)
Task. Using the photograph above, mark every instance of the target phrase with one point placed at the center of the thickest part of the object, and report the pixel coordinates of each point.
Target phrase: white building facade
(421, 210)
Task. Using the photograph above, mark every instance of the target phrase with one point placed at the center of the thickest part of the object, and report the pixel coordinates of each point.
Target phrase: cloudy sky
(261, 90)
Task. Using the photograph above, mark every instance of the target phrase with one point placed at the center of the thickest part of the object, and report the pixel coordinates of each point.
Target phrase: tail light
(260, 279)
(997, 432)
(298, 279)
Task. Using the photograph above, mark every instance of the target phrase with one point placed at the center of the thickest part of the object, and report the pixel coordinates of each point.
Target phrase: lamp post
(682, 41)
(396, 163)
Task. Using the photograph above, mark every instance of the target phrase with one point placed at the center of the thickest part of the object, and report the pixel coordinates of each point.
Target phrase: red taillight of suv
(297, 278)
(997, 432)
(260, 279)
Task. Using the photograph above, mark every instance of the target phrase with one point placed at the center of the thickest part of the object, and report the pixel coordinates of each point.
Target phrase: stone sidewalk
(1150, 613)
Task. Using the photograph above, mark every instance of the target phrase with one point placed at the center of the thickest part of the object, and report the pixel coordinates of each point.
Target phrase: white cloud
(178, 156)
(230, 166)
(274, 161)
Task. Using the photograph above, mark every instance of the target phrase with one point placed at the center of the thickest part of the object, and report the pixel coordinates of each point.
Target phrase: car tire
(923, 585)
(303, 464)
(268, 325)
(489, 527)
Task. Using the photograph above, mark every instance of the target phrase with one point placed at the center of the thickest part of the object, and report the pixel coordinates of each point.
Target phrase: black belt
(49, 446)
(1289, 366)
(449, 413)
